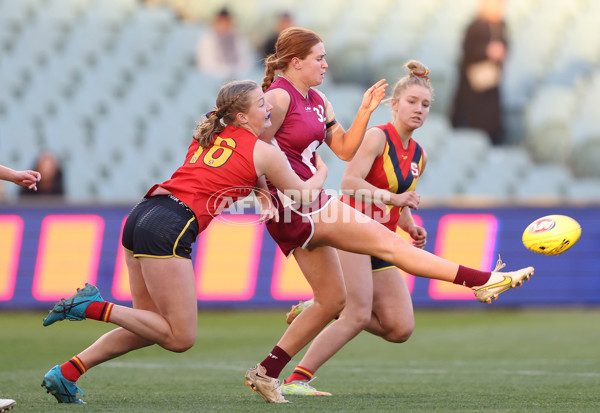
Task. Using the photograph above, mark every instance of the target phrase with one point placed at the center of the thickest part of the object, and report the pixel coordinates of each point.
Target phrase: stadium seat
(544, 182)
(67, 135)
(142, 37)
(178, 51)
(433, 134)
(549, 124)
(584, 191)
(15, 14)
(94, 99)
(82, 178)
(351, 38)
(381, 115)
(197, 95)
(320, 22)
(63, 14)
(113, 13)
(346, 99)
(490, 185)
(586, 132)
(463, 151)
(386, 56)
(531, 48)
(497, 176)
(585, 156)
(18, 140)
(89, 42)
(437, 184)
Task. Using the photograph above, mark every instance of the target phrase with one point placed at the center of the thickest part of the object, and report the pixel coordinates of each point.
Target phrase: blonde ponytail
(233, 98)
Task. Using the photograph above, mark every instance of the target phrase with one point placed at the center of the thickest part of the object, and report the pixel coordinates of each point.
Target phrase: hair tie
(213, 113)
(421, 75)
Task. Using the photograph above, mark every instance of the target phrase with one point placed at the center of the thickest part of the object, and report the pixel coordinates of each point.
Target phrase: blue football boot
(64, 390)
(74, 307)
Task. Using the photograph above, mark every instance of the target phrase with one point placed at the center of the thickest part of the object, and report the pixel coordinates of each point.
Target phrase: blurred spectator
(52, 184)
(477, 101)
(222, 51)
(284, 21)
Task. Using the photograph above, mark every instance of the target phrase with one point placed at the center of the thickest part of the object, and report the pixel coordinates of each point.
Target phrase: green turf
(467, 361)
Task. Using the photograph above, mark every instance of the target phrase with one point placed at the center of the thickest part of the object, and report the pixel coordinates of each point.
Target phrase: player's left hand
(374, 95)
(28, 179)
(418, 235)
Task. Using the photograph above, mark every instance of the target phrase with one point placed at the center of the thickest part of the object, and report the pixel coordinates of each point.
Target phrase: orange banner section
(120, 288)
(466, 239)
(68, 255)
(11, 233)
(227, 258)
(288, 282)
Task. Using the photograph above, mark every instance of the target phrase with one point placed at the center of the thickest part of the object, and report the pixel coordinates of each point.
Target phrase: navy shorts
(380, 265)
(160, 226)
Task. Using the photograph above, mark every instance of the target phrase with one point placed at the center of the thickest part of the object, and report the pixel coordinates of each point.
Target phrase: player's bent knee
(180, 344)
(356, 322)
(362, 319)
(357, 317)
(399, 335)
(333, 306)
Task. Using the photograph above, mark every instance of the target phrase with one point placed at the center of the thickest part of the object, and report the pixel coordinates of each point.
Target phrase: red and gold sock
(300, 373)
(99, 311)
(73, 369)
(275, 361)
(471, 278)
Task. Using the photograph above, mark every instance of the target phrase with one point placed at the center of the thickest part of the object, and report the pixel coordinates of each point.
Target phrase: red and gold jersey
(211, 179)
(396, 170)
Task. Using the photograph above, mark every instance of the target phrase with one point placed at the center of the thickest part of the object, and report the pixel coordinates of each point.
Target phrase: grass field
(486, 360)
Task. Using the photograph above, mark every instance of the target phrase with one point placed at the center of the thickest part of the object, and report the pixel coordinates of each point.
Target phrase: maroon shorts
(296, 226)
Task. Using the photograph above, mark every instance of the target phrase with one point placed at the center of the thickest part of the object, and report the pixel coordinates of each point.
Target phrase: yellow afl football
(552, 234)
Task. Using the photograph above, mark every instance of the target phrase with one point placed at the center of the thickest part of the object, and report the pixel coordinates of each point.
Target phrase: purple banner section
(46, 253)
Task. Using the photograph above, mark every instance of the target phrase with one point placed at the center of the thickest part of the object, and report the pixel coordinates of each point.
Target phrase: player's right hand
(410, 199)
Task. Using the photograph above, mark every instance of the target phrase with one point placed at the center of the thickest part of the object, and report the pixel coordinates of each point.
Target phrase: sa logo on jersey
(414, 169)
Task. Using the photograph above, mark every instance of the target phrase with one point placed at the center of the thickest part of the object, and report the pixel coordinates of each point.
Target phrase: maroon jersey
(301, 133)
(303, 129)
(211, 179)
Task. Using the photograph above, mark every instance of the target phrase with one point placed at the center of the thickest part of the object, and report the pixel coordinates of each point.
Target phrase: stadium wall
(46, 253)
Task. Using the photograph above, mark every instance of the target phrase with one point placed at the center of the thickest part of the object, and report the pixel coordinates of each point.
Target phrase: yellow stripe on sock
(79, 364)
(304, 371)
(106, 316)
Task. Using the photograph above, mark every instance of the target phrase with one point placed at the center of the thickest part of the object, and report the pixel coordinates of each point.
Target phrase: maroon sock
(470, 277)
(275, 362)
